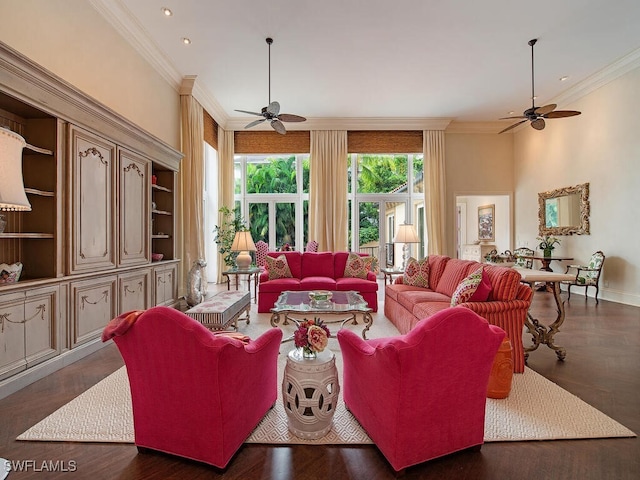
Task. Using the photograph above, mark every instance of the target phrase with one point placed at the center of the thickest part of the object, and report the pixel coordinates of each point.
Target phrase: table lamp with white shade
(406, 234)
(12, 194)
(243, 243)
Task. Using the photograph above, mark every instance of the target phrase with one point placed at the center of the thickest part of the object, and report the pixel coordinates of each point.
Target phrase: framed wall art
(486, 226)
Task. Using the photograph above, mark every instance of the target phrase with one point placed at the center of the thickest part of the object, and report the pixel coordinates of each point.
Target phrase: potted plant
(547, 244)
(232, 222)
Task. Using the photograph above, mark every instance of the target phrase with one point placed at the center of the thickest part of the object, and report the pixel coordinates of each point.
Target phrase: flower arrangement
(547, 244)
(312, 336)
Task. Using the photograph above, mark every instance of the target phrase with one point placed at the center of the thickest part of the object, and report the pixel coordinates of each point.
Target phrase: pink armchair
(422, 395)
(195, 394)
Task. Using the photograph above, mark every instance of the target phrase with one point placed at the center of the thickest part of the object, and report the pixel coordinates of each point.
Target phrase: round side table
(310, 393)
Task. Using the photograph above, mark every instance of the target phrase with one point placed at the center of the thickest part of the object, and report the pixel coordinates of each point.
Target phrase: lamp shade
(12, 196)
(243, 242)
(406, 234)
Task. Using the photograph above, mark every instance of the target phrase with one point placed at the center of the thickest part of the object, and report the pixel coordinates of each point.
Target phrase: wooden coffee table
(346, 305)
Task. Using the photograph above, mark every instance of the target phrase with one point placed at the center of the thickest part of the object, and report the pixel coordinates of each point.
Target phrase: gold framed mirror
(564, 211)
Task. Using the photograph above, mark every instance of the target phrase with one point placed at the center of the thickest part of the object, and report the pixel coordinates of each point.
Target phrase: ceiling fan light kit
(272, 111)
(536, 115)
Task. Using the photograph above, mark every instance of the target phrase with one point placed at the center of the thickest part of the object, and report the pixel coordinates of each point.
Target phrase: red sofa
(506, 307)
(315, 271)
(422, 395)
(194, 394)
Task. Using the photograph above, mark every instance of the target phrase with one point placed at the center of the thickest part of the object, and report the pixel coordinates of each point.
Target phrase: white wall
(502, 218)
(69, 38)
(600, 147)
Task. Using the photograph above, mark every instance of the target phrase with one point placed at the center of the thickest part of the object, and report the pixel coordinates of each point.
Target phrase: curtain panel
(192, 181)
(328, 190)
(434, 192)
(226, 182)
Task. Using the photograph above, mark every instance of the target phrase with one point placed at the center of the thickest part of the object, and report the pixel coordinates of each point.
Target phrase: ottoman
(222, 310)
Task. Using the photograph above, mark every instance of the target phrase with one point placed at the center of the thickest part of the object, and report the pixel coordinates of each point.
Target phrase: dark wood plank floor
(602, 367)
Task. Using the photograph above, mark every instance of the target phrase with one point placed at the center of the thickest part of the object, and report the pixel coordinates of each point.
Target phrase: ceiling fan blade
(278, 126)
(512, 126)
(510, 118)
(538, 123)
(254, 123)
(288, 117)
(562, 114)
(273, 108)
(546, 109)
(250, 113)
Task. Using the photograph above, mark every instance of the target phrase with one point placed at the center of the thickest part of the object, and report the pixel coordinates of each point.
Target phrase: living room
(599, 148)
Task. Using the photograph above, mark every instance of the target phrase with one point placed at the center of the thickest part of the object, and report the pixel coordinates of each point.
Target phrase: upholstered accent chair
(523, 262)
(190, 387)
(262, 248)
(312, 246)
(422, 395)
(586, 275)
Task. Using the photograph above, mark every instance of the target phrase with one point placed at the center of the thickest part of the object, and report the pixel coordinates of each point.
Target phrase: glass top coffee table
(346, 305)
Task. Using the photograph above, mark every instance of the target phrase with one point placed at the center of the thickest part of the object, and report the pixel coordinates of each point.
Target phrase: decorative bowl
(156, 257)
(320, 295)
(10, 273)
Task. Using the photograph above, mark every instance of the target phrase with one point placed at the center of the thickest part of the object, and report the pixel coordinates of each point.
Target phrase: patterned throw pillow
(474, 288)
(278, 267)
(356, 266)
(372, 264)
(417, 273)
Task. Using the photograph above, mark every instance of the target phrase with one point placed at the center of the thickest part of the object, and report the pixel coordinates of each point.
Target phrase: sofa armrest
(486, 308)
(273, 335)
(399, 280)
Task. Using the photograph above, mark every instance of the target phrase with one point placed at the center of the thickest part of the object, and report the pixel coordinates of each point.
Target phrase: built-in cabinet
(102, 193)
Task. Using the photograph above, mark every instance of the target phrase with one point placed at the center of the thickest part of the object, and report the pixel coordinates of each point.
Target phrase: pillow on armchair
(278, 267)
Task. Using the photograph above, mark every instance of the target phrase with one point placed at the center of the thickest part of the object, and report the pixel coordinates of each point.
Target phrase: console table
(546, 260)
(542, 334)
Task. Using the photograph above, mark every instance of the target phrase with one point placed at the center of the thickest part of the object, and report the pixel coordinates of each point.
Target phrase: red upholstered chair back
(422, 395)
(186, 383)
(262, 248)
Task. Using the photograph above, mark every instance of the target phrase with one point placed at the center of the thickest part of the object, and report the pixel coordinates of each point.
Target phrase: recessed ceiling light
(186, 41)
(511, 112)
(167, 12)
(563, 78)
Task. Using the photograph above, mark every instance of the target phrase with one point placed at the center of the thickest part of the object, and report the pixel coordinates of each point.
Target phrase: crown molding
(475, 127)
(121, 18)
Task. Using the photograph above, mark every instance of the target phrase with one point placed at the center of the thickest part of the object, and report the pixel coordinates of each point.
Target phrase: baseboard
(35, 373)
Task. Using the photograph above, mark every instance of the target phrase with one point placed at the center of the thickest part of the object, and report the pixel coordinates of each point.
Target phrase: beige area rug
(103, 413)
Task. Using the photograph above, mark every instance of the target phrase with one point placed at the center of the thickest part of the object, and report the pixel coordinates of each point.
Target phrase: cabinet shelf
(160, 188)
(43, 151)
(26, 235)
(42, 193)
(161, 236)
(161, 212)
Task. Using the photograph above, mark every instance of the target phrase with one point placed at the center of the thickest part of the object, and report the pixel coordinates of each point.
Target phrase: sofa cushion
(409, 298)
(316, 264)
(437, 264)
(475, 287)
(280, 285)
(505, 282)
(417, 273)
(278, 267)
(317, 283)
(454, 271)
(355, 267)
(356, 284)
(395, 289)
(426, 309)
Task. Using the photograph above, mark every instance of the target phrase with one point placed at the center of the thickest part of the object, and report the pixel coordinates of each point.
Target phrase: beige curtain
(191, 183)
(434, 192)
(226, 183)
(328, 190)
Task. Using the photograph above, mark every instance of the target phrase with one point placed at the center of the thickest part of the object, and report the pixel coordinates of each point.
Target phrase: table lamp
(406, 234)
(12, 195)
(243, 243)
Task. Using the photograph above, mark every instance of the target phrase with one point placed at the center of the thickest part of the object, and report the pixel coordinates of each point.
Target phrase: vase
(3, 223)
(308, 354)
(547, 252)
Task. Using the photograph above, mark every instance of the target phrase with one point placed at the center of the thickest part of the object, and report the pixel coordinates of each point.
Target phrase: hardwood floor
(602, 367)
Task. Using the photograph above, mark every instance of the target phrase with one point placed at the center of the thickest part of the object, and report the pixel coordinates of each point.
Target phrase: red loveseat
(315, 271)
(194, 394)
(506, 307)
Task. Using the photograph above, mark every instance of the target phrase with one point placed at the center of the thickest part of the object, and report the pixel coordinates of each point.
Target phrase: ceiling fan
(536, 115)
(272, 111)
